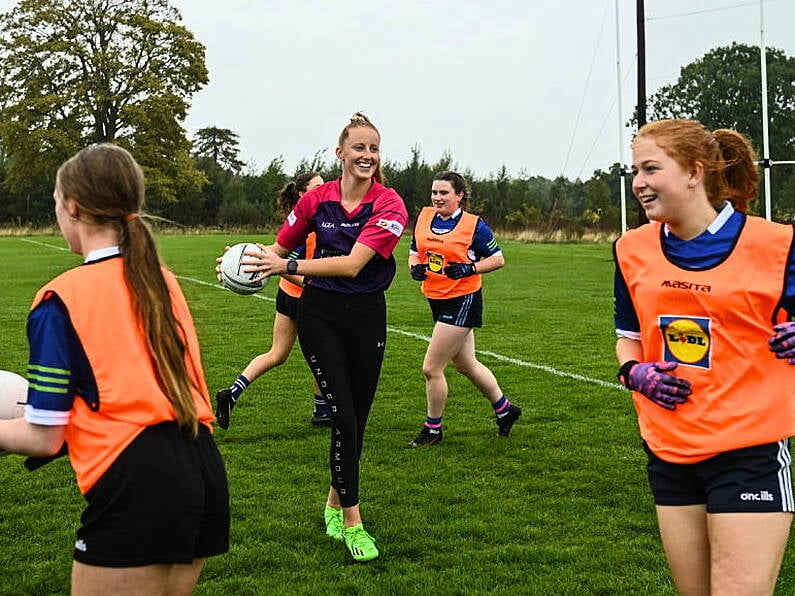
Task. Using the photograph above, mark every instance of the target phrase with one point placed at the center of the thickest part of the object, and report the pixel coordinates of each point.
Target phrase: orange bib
(716, 324)
(130, 396)
(438, 250)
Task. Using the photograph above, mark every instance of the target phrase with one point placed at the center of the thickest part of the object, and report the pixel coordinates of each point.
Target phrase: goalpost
(765, 162)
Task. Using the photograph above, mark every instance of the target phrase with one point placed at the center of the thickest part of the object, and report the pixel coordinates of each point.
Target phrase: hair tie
(131, 216)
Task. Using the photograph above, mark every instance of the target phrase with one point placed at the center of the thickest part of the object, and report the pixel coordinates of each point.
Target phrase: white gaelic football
(13, 395)
(233, 274)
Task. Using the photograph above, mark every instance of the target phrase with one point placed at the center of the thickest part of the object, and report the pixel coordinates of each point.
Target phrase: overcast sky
(529, 84)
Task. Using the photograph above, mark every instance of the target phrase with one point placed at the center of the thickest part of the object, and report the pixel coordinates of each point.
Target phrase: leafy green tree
(412, 181)
(600, 210)
(76, 72)
(221, 145)
(318, 164)
(236, 209)
(722, 90)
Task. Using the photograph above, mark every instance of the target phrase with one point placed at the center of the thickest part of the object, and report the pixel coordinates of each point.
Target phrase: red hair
(728, 159)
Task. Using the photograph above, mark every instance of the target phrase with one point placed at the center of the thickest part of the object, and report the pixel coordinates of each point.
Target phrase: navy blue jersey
(706, 250)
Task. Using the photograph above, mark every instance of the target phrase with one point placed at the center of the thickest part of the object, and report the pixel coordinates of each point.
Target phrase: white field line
(220, 287)
(44, 244)
(517, 362)
(426, 339)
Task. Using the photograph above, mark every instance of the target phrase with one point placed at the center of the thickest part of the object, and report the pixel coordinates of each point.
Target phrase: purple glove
(651, 380)
(418, 271)
(783, 342)
(459, 270)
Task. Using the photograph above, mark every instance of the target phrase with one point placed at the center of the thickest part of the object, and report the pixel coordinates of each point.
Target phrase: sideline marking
(544, 367)
(425, 338)
(220, 287)
(45, 244)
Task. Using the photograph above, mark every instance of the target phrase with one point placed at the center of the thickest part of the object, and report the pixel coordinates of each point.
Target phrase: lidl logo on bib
(435, 262)
(687, 340)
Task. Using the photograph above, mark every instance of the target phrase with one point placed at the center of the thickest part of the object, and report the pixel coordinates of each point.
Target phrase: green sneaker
(360, 543)
(333, 519)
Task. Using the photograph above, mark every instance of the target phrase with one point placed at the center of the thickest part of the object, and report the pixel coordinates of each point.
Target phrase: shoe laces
(358, 538)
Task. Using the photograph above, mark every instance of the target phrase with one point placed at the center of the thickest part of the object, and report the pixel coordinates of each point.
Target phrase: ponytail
(108, 185)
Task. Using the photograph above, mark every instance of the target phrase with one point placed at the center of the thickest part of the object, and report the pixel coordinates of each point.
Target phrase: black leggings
(343, 337)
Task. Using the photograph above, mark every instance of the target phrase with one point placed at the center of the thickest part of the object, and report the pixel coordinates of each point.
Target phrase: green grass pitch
(560, 507)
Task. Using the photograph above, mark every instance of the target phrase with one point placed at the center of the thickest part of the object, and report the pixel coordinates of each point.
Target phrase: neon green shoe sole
(334, 525)
(360, 544)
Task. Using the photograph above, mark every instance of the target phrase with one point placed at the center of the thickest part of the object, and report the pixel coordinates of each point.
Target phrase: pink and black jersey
(377, 222)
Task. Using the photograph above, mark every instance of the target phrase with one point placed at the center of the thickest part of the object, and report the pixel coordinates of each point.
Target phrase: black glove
(34, 463)
(418, 272)
(459, 270)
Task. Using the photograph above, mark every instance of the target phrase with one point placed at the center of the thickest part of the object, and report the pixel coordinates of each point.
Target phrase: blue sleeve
(624, 316)
(788, 302)
(484, 244)
(58, 368)
(298, 253)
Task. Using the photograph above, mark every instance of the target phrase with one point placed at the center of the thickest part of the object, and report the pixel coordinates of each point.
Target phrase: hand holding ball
(13, 395)
(233, 274)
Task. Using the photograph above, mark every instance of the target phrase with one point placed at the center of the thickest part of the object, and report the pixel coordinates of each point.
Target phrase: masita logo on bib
(687, 340)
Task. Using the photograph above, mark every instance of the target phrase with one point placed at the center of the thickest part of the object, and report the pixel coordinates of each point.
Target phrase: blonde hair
(357, 120)
(729, 160)
(108, 185)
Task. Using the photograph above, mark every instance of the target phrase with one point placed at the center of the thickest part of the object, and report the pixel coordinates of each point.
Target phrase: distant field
(560, 507)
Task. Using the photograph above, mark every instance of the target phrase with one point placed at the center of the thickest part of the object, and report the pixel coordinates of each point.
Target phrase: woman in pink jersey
(703, 298)
(284, 327)
(115, 374)
(342, 313)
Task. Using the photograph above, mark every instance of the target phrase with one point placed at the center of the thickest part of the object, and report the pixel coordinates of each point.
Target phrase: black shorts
(750, 480)
(163, 501)
(286, 304)
(462, 311)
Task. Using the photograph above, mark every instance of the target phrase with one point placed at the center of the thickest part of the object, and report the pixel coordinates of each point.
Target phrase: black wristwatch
(292, 267)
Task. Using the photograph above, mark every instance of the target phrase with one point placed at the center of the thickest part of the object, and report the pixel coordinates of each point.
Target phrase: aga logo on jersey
(435, 262)
(688, 340)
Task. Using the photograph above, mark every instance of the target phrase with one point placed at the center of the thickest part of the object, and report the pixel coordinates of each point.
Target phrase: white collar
(102, 253)
(455, 214)
(723, 216)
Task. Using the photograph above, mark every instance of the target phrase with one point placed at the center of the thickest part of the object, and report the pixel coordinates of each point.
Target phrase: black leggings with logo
(343, 337)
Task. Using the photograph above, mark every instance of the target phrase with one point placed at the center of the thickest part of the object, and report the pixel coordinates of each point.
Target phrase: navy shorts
(462, 311)
(286, 304)
(750, 480)
(164, 500)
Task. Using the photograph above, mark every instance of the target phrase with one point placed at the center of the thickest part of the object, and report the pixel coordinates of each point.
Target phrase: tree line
(76, 72)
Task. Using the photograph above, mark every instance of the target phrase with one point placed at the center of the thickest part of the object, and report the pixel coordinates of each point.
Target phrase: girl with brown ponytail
(115, 373)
